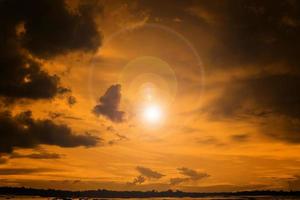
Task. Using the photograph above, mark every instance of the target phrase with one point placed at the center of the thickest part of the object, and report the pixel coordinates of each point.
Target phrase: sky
(144, 94)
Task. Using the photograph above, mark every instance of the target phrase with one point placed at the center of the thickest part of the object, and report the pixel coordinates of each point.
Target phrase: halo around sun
(148, 77)
(151, 84)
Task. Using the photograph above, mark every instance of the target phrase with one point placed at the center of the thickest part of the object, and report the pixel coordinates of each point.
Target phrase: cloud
(192, 174)
(281, 128)
(71, 100)
(22, 131)
(109, 104)
(189, 175)
(268, 99)
(240, 137)
(271, 94)
(43, 155)
(258, 41)
(59, 31)
(22, 77)
(252, 32)
(138, 180)
(238, 32)
(149, 173)
(145, 173)
(21, 171)
(26, 36)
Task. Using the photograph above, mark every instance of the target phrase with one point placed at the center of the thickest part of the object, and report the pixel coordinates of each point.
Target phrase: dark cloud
(51, 28)
(192, 174)
(251, 31)
(43, 29)
(138, 180)
(109, 104)
(243, 32)
(189, 175)
(272, 94)
(145, 174)
(261, 35)
(149, 173)
(268, 99)
(240, 137)
(22, 131)
(281, 128)
(21, 171)
(257, 31)
(43, 155)
(22, 77)
(71, 100)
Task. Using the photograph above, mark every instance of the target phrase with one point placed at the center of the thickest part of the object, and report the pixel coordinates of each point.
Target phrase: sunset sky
(139, 95)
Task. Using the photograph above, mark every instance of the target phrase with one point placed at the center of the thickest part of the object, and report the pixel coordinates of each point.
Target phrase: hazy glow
(152, 114)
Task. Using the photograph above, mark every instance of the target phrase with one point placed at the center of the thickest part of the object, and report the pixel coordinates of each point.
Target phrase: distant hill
(134, 194)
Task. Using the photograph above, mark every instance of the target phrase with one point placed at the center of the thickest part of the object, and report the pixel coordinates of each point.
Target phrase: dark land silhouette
(102, 193)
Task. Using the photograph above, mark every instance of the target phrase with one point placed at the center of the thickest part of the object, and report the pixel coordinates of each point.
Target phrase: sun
(152, 114)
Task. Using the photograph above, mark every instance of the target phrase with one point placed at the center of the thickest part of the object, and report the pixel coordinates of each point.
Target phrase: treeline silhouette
(101, 193)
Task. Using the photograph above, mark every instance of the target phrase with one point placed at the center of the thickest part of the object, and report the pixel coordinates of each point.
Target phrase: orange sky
(223, 79)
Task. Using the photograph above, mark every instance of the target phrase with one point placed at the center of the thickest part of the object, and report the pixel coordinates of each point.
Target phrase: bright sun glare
(152, 114)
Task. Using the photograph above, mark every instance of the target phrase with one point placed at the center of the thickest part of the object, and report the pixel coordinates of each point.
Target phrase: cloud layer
(42, 155)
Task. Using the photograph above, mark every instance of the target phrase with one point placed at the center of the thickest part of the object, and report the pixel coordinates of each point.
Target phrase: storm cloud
(25, 36)
(22, 131)
(109, 104)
